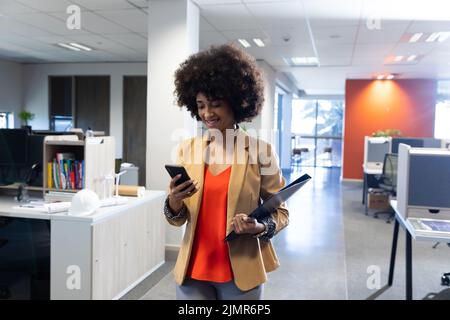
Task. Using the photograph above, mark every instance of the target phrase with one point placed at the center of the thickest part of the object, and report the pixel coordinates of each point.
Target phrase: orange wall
(371, 105)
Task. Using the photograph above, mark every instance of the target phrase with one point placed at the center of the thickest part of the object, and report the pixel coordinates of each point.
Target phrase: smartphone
(175, 170)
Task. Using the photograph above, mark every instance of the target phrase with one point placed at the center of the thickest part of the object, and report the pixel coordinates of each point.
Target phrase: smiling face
(216, 114)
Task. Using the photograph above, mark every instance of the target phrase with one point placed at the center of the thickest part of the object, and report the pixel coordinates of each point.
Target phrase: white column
(269, 97)
(173, 34)
(286, 132)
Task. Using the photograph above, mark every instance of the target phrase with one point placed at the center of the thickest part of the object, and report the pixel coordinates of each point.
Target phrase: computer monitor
(35, 145)
(429, 180)
(19, 151)
(13, 146)
(432, 143)
(375, 148)
(413, 142)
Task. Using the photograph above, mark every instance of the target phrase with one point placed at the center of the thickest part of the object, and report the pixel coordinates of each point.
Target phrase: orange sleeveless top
(210, 260)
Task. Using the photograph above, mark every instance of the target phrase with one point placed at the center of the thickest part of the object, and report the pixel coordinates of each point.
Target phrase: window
(317, 132)
(61, 102)
(441, 128)
(6, 120)
(61, 123)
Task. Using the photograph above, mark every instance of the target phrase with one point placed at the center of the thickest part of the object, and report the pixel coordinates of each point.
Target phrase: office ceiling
(351, 38)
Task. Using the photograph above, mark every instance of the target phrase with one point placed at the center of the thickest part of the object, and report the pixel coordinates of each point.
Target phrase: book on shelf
(65, 172)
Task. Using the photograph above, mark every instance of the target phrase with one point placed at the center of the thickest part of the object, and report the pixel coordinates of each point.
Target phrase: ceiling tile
(4, 45)
(57, 55)
(12, 7)
(139, 3)
(305, 50)
(246, 34)
(288, 36)
(279, 14)
(104, 4)
(229, 17)
(53, 39)
(388, 33)
(368, 60)
(47, 5)
(49, 23)
(131, 40)
(421, 48)
(215, 2)
(134, 19)
(325, 13)
(275, 61)
(27, 42)
(101, 43)
(339, 50)
(91, 22)
(335, 35)
(407, 10)
(208, 38)
(274, 1)
(373, 50)
(437, 56)
(311, 79)
(331, 60)
(428, 26)
(10, 26)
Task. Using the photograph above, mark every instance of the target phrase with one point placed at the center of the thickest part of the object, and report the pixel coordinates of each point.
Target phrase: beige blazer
(250, 258)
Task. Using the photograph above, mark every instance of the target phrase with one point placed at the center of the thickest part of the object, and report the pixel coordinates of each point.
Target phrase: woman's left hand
(244, 224)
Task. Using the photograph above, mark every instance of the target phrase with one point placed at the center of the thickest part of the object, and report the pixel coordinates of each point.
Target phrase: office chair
(296, 156)
(388, 181)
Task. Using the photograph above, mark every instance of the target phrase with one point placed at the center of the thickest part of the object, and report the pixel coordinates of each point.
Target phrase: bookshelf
(93, 156)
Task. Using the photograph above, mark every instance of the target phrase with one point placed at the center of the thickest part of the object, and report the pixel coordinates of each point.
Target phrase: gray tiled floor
(330, 243)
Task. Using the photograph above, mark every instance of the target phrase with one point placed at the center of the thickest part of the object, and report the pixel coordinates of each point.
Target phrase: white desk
(115, 248)
(410, 234)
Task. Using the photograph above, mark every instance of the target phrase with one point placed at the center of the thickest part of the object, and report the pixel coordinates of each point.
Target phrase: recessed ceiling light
(390, 77)
(259, 42)
(415, 37)
(432, 37)
(412, 57)
(398, 58)
(443, 36)
(380, 77)
(244, 43)
(305, 60)
(68, 47)
(438, 36)
(80, 46)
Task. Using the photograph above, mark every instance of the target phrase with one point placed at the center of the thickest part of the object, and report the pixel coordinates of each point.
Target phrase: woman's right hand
(176, 196)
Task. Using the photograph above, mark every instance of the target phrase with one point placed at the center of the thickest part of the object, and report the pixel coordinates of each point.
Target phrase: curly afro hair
(221, 73)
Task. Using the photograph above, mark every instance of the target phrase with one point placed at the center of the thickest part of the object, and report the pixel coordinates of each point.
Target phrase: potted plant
(26, 116)
(387, 133)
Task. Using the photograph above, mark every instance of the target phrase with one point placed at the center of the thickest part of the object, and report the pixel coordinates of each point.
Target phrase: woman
(223, 87)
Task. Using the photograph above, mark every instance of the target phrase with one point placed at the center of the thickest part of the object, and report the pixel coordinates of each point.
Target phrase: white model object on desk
(84, 203)
(108, 199)
(45, 207)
